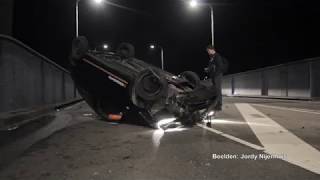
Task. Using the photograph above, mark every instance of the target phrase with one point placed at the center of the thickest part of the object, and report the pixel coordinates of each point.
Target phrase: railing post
(42, 83)
(63, 87)
(232, 85)
(74, 91)
(287, 81)
(264, 87)
(311, 90)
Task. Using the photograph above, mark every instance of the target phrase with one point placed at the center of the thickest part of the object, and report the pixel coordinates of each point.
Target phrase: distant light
(105, 46)
(193, 3)
(98, 1)
(211, 113)
(152, 46)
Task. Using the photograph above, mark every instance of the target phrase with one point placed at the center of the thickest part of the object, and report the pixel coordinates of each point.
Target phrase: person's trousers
(216, 81)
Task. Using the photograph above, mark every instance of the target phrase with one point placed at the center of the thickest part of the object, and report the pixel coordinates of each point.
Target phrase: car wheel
(80, 46)
(192, 77)
(150, 86)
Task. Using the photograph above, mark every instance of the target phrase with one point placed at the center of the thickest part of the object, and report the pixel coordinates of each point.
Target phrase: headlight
(211, 113)
(164, 122)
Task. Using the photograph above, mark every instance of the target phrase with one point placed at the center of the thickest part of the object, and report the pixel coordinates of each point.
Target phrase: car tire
(192, 77)
(80, 47)
(126, 50)
(149, 86)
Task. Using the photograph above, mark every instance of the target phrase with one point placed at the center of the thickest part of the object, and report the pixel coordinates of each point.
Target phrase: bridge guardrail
(28, 80)
(296, 80)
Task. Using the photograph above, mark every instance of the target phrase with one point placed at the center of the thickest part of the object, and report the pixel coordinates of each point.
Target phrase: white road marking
(288, 109)
(277, 140)
(231, 137)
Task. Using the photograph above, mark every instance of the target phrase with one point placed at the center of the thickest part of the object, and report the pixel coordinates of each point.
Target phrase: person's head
(211, 50)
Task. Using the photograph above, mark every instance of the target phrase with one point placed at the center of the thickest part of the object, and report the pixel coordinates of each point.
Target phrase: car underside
(117, 85)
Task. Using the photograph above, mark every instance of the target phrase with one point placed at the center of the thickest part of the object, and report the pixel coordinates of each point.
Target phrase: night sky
(250, 33)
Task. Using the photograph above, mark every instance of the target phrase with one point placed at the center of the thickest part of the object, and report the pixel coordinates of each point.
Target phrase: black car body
(118, 83)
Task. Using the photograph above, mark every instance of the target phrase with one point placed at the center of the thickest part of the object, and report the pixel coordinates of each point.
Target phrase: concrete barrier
(276, 82)
(29, 80)
(297, 80)
(227, 85)
(247, 84)
(315, 78)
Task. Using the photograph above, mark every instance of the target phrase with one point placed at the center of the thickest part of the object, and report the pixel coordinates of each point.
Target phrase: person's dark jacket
(217, 65)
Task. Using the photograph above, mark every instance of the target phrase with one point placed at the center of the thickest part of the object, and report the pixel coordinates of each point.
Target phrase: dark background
(250, 33)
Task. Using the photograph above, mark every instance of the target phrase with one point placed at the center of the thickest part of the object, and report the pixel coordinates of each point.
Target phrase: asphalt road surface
(250, 139)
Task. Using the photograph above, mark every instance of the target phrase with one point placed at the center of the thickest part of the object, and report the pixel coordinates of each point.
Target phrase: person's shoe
(208, 124)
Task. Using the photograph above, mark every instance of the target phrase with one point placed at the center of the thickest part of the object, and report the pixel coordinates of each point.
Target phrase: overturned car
(118, 86)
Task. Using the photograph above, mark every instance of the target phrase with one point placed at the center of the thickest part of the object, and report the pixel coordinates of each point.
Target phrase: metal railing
(30, 80)
(296, 80)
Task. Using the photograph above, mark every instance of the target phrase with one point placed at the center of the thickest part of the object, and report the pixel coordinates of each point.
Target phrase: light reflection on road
(158, 134)
(229, 122)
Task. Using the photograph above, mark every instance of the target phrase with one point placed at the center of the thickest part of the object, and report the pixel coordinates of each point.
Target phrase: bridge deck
(72, 144)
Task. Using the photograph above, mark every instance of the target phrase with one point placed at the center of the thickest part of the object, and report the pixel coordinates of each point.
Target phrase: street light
(77, 14)
(105, 46)
(194, 4)
(98, 1)
(153, 46)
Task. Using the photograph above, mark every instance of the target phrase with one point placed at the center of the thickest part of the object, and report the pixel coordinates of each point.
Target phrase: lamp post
(194, 4)
(153, 46)
(77, 18)
(77, 14)
(212, 26)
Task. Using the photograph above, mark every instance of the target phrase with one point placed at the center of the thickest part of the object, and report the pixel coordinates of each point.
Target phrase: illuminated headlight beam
(165, 122)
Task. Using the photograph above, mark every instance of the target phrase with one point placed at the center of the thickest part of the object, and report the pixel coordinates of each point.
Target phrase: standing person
(217, 66)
